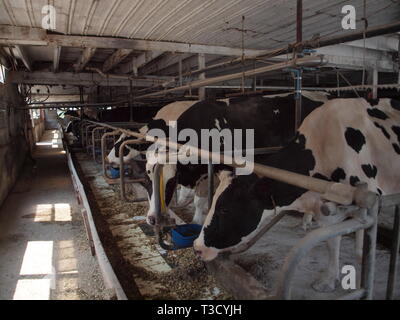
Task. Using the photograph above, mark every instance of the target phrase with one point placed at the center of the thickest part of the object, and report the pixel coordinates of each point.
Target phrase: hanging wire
(364, 39)
(243, 31)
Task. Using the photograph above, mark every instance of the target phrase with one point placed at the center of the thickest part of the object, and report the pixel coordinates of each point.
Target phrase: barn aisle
(44, 253)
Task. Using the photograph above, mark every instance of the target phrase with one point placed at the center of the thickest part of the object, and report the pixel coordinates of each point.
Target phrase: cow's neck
(294, 158)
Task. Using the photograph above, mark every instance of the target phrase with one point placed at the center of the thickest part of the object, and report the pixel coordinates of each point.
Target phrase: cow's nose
(151, 220)
(197, 252)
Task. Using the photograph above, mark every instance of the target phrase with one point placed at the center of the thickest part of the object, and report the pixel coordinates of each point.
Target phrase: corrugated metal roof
(269, 22)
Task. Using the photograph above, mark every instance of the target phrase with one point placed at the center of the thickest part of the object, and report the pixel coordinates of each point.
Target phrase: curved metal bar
(310, 241)
(259, 234)
(103, 150)
(94, 143)
(122, 170)
(87, 136)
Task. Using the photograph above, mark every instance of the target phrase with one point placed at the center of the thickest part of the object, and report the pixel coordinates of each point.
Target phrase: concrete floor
(44, 253)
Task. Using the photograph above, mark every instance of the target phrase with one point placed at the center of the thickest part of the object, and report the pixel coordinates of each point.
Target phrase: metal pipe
(312, 43)
(337, 192)
(369, 253)
(210, 184)
(313, 60)
(299, 22)
(391, 284)
(94, 143)
(122, 171)
(259, 234)
(310, 241)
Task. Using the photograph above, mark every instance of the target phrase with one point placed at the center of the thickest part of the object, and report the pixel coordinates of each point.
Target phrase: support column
(202, 76)
(375, 78)
(299, 38)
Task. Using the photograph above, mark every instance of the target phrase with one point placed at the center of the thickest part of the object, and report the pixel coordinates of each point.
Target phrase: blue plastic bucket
(114, 173)
(184, 235)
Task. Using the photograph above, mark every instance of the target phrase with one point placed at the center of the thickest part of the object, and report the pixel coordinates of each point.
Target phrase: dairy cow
(271, 118)
(345, 140)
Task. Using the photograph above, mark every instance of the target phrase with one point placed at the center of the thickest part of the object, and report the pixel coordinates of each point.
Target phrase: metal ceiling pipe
(306, 61)
(312, 43)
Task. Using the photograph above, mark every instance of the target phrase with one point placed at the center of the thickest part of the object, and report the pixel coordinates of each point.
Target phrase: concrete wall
(13, 137)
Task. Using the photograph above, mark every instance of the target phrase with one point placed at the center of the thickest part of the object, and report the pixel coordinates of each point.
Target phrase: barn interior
(62, 238)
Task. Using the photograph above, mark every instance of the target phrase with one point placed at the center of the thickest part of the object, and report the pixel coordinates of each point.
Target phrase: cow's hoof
(325, 285)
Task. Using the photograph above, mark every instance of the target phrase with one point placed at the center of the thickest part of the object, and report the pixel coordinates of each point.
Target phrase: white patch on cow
(276, 111)
(217, 125)
(209, 253)
(200, 209)
(172, 111)
(114, 160)
(168, 172)
(144, 130)
(226, 122)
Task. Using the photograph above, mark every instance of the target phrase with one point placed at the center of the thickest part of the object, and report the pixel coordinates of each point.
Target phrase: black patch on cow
(370, 170)
(354, 180)
(373, 102)
(302, 141)
(338, 175)
(379, 191)
(396, 148)
(320, 176)
(395, 104)
(376, 113)
(169, 190)
(396, 130)
(355, 139)
(118, 145)
(384, 131)
(251, 195)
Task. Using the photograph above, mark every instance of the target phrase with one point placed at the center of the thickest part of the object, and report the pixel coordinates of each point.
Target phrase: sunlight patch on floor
(59, 212)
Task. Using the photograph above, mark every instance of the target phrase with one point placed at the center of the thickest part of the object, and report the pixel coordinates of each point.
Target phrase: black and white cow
(271, 118)
(345, 140)
(170, 112)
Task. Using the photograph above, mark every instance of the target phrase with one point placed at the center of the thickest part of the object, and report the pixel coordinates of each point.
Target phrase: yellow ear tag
(162, 192)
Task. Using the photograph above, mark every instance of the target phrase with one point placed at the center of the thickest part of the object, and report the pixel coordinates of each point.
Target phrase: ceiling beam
(56, 58)
(21, 52)
(78, 79)
(10, 35)
(140, 61)
(116, 58)
(87, 54)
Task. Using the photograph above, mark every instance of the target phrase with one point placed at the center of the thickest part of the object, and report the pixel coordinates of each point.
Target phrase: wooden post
(202, 76)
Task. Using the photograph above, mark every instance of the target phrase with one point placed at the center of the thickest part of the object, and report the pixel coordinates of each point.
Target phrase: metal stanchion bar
(310, 241)
(394, 254)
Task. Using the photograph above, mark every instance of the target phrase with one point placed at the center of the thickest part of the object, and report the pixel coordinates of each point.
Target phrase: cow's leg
(330, 278)
(201, 208)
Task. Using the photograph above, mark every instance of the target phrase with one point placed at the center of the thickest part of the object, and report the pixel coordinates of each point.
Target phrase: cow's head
(236, 212)
(168, 183)
(130, 152)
